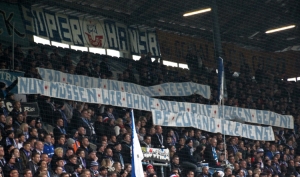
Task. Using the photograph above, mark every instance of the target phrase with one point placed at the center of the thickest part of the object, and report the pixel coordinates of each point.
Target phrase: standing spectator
(126, 148)
(186, 156)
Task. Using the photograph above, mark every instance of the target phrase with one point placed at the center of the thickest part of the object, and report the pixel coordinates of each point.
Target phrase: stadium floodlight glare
(197, 12)
(280, 29)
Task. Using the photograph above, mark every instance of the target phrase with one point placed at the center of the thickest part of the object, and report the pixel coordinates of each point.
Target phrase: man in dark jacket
(186, 156)
(210, 154)
(5, 90)
(118, 157)
(126, 148)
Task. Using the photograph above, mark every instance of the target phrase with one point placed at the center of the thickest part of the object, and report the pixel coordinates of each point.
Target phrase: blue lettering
(75, 92)
(81, 93)
(129, 100)
(259, 116)
(92, 95)
(172, 89)
(119, 98)
(112, 94)
(145, 103)
(54, 89)
(69, 91)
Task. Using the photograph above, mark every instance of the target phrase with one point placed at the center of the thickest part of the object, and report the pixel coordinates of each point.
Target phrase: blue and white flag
(137, 154)
(221, 80)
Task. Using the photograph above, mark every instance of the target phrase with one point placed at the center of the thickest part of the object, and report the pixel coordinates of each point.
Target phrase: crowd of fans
(94, 139)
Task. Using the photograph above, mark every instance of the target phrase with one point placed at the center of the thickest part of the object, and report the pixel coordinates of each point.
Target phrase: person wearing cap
(260, 152)
(150, 169)
(94, 168)
(186, 157)
(117, 156)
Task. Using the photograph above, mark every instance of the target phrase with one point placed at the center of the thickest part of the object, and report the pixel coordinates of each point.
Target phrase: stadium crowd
(94, 139)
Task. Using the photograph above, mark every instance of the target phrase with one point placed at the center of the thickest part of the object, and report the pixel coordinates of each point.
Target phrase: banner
(186, 119)
(11, 23)
(8, 77)
(156, 154)
(166, 89)
(174, 47)
(142, 102)
(82, 31)
(32, 108)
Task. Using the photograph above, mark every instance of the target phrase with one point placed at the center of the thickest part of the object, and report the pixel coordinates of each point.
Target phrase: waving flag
(137, 154)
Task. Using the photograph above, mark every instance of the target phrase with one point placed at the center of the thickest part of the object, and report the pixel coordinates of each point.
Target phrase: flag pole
(13, 47)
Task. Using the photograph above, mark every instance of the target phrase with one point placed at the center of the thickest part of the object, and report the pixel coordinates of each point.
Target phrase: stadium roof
(241, 22)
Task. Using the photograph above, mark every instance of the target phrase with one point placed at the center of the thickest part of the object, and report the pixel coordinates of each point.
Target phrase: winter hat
(70, 141)
(94, 163)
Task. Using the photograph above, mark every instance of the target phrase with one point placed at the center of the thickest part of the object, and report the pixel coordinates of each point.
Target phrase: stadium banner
(174, 47)
(11, 23)
(8, 77)
(83, 31)
(166, 89)
(142, 102)
(214, 125)
(156, 154)
(32, 108)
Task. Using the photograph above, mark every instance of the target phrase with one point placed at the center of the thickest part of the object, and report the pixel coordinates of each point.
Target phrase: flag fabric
(221, 79)
(137, 154)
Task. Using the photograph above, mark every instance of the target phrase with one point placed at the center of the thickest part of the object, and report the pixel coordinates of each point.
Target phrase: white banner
(166, 89)
(142, 102)
(186, 119)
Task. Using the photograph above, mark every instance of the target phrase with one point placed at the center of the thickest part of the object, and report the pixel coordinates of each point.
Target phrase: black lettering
(9, 26)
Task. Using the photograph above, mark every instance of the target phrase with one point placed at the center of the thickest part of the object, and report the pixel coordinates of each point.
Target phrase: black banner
(32, 108)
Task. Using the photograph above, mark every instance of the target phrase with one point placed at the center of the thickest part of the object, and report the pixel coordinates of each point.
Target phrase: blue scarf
(215, 154)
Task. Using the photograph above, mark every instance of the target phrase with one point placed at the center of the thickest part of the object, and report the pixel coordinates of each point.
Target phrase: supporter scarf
(215, 154)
